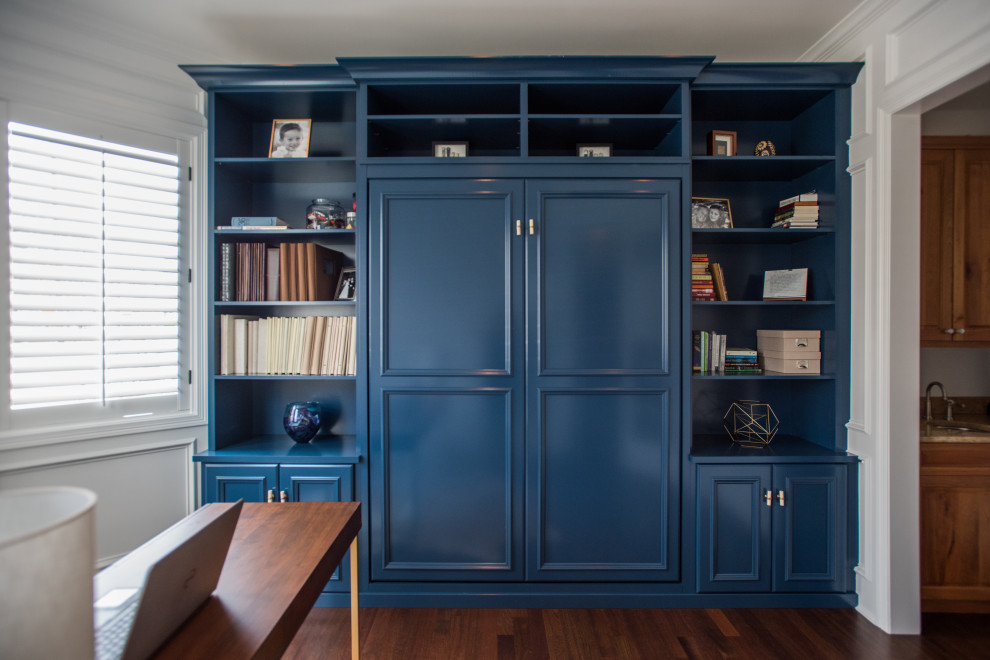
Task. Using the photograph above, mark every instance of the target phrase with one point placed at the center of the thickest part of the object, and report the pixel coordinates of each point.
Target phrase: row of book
(711, 355)
(288, 345)
(283, 272)
(707, 279)
(797, 212)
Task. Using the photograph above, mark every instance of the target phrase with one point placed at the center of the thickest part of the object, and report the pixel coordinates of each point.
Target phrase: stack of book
(797, 212)
(702, 285)
(285, 272)
(284, 345)
(739, 361)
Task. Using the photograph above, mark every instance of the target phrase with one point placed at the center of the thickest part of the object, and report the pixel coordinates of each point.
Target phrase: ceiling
(311, 31)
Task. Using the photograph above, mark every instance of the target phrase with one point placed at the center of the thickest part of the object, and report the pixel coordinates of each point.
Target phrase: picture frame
(346, 284)
(722, 143)
(787, 284)
(450, 149)
(594, 150)
(711, 213)
(290, 138)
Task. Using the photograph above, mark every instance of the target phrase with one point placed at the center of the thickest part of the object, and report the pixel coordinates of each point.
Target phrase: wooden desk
(280, 559)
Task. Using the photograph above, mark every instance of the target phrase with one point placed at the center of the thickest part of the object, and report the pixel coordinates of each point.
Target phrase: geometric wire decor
(751, 423)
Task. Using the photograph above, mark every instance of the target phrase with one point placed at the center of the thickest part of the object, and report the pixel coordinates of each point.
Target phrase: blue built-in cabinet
(523, 427)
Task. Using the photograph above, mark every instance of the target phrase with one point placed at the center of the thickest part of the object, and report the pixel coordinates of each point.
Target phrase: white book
(240, 346)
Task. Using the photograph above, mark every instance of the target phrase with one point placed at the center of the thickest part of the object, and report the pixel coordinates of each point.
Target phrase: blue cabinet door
(228, 482)
(603, 327)
(734, 518)
(446, 379)
(320, 483)
(775, 528)
(809, 528)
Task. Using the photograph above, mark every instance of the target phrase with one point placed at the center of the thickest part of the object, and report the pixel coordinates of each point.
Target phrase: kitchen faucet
(928, 401)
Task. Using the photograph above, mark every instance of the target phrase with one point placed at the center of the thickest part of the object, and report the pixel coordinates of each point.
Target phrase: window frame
(75, 424)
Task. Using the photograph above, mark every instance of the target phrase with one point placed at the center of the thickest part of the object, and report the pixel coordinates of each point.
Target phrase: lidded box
(790, 351)
(789, 341)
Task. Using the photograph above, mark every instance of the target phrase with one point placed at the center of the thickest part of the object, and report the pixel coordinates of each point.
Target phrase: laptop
(147, 595)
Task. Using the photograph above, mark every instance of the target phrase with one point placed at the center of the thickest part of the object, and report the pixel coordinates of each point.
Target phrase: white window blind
(94, 273)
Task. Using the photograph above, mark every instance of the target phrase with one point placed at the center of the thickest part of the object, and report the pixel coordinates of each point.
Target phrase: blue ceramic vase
(302, 420)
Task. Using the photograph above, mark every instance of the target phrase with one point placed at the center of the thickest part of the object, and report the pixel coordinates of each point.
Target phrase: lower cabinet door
(734, 528)
(320, 483)
(809, 528)
(229, 482)
(768, 528)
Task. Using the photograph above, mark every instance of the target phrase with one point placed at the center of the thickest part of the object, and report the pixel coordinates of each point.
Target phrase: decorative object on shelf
(765, 148)
(290, 138)
(302, 420)
(325, 213)
(347, 284)
(722, 143)
(450, 149)
(594, 150)
(710, 213)
(786, 284)
(751, 423)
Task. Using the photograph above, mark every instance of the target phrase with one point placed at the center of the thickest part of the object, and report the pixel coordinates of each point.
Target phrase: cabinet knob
(768, 497)
(271, 495)
(949, 331)
(780, 497)
(284, 496)
(532, 226)
(518, 227)
(960, 331)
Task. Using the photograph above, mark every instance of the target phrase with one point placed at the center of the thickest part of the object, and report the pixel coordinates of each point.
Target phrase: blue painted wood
(446, 380)
(809, 529)
(485, 68)
(602, 274)
(229, 483)
(321, 483)
(804, 524)
(734, 550)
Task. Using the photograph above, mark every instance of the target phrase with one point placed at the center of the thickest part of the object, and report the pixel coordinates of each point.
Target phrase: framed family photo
(450, 149)
(722, 143)
(594, 150)
(346, 284)
(290, 138)
(710, 213)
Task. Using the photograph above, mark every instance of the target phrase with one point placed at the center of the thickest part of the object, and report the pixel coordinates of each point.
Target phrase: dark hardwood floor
(593, 634)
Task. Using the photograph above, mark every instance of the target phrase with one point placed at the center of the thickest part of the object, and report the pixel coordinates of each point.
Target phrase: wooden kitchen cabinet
(955, 527)
(955, 241)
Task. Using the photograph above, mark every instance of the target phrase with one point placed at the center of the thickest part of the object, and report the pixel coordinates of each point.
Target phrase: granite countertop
(974, 413)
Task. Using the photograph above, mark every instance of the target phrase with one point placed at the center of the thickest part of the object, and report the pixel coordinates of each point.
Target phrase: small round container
(325, 213)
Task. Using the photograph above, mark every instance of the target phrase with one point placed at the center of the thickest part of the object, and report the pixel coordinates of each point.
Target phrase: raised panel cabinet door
(809, 528)
(444, 274)
(734, 525)
(448, 487)
(971, 299)
(937, 190)
(603, 399)
(229, 482)
(446, 379)
(600, 497)
(320, 483)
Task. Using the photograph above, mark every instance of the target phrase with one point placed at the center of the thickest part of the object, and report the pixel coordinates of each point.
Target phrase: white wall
(912, 50)
(60, 66)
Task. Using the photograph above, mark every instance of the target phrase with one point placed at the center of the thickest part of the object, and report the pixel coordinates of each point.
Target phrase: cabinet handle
(780, 497)
(518, 227)
(532, 226)
(284, 496)
(271, 495)
(950, 331)
(960, 331)
(768, 496)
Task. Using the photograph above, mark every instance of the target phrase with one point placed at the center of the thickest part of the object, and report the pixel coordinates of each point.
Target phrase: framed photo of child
(290, 138)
